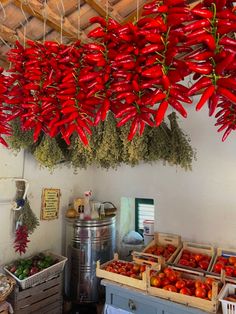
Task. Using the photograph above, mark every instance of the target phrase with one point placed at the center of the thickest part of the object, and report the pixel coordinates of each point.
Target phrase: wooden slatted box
(41, 299)
(206, 305)
(163, 239)
(196, 248)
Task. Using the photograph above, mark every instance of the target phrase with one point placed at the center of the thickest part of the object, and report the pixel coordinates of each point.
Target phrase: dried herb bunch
(109, 147)
(19, 138)
(25, 214)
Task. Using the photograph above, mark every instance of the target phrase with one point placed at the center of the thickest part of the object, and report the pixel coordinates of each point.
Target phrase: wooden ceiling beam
(52, 19)
(99, 8)
(8, 34)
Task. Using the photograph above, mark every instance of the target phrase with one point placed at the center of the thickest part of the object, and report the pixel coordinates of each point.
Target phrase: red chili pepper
(156, 9)
(98, 32)
(212, 103)
(161, 112)
(133, 128)
(3, 142)
(153, 38)
(226, 134)
(165, 81)
(204, 56)
(200, 84)
(124, 111)
(227, 94)
(98, 19)
(227, 82)
(177, 106)
(207, 14)
(82, 135)
(174, 20)
(125, 119)
(226, 14)
(203, 68)
(153, 72)
(207, 39)
(227, 61)
(196, 25)
(227, 41)
(179, 96)
(205, 96)
(151, 48)
(174, 2)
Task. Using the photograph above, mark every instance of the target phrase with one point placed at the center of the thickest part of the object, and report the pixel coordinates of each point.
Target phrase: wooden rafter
(52, 19)
(99, 8)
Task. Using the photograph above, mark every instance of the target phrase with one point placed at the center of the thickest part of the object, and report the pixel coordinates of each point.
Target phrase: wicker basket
(9, 283)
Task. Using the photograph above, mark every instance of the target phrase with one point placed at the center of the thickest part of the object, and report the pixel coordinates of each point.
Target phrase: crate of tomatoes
(195, 256)
(133, 273)
(185, 287)
(225, 262)
(167, 245)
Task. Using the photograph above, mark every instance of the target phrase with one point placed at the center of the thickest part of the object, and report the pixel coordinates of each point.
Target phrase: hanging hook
(23, 25)
(62, 15)
(4, 12)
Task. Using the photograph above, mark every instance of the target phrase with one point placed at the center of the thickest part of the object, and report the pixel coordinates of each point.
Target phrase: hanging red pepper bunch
(213, 59)
(21, 239)
(4, 127)
(164, 31)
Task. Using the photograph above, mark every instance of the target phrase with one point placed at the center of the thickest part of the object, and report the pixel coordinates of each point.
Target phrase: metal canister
(93, 240)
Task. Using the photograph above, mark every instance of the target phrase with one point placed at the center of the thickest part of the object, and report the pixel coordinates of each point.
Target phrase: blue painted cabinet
(139, 302)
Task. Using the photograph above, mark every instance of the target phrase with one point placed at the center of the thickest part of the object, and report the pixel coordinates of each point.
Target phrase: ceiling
(57, 20)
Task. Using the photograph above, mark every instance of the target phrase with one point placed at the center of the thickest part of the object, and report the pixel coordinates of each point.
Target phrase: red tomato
(155, 281)
(142, 268)
(170, 248)
(234, 274)
(185, 291)
(162, 275)
(192, 264)
(190, 283)
(229, 271)
(168, 270)
(198, 257)
(209, 281)
(170, 288)
(203, 264)
(232, 260)
(180, 284)
(222, 259)
(200, 292)
(206, 286)
(183, 262)
(198, 283)
(165, 282)
(218, 266)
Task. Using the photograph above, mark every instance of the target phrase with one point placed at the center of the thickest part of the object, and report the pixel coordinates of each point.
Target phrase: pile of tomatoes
(194, 260)
(226, 263)
(124, 268)
(162, 250)
(174, 281)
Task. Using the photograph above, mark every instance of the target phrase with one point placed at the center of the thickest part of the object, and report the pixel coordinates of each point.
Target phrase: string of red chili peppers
(133, 70)
(214, 60)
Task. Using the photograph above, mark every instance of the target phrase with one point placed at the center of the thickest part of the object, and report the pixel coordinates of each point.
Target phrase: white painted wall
(199, 205)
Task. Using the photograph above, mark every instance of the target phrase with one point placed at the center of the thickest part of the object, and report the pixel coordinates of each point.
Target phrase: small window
(144, 210)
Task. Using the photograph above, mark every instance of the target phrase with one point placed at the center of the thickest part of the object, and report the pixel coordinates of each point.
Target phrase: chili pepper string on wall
(133, 70)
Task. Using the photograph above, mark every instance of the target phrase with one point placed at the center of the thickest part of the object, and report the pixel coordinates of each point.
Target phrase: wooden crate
(129, 281)
(161, 238)
(41, 299)
(206, 305)
(224, 253)
(196, 248)
(151, 260)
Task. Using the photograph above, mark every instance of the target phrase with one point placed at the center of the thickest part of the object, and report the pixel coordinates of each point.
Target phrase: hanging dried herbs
(108, 146)
(182, 152)
(19, 139)
(48, 153)
(134, 151)
(108, 153)
(80, 156)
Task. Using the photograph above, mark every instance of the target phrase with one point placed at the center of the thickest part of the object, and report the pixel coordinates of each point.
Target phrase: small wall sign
(50, 204)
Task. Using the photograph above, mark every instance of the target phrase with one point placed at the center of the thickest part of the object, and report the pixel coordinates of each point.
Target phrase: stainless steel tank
(92, 240)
